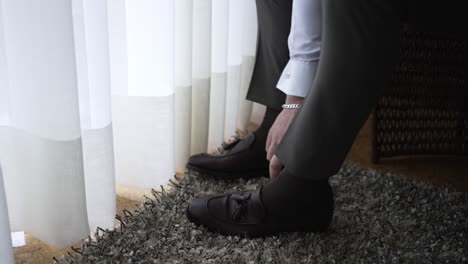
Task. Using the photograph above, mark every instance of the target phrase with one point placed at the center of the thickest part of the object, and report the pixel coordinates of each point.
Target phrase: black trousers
(274, 25)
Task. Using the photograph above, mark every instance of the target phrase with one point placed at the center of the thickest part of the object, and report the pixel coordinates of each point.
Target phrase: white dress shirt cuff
(297, 77)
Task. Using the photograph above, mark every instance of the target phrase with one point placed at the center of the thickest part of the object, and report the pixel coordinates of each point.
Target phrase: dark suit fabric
(274, 25)
(359, 49)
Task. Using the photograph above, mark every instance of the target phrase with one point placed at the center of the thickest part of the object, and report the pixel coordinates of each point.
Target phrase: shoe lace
(242, 203)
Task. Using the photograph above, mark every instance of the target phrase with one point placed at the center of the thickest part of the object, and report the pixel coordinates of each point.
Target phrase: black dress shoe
(244, 158)
(245, 214)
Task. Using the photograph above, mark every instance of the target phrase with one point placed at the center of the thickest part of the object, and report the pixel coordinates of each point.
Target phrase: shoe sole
(229, 175)
(198, 224)
(257, 235)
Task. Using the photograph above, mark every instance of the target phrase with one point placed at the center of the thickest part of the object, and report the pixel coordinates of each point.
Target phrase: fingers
(268, 142)
(275, 167)
(271, 150)
(271, 133)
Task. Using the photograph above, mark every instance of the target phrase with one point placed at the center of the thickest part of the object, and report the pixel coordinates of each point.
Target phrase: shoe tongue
(254, 211)
(243, 144)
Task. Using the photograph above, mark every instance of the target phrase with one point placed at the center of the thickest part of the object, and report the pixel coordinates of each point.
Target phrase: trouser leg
(359, 49)
(274, 24)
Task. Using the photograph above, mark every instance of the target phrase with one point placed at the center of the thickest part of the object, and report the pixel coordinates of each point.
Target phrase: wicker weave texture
(425, 110)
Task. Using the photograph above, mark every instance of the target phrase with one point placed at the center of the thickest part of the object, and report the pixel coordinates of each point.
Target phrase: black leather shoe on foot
(245, 214)
(244, 158)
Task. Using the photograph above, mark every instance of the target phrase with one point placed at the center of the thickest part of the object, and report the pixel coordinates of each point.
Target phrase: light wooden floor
(447, 172)
(443, 172)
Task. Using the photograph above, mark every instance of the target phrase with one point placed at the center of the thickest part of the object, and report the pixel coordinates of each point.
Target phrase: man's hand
(277, 132)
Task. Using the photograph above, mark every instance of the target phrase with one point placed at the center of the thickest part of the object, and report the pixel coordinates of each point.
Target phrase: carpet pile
(379, 218)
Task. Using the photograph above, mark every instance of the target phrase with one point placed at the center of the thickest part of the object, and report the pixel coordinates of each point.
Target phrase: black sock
(262, 131)
(289, 194)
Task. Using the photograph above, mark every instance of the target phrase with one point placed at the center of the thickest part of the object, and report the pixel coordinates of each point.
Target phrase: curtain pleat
(234, 62)
(93, 71)
(6, 252)
(183, 81)
(41, 147)
(95, 93)
(219, 56)
(201, 74)
(143, 112)
(242, 43)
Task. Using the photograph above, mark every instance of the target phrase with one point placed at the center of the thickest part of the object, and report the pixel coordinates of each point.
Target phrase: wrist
(291, 99)
(293, 103)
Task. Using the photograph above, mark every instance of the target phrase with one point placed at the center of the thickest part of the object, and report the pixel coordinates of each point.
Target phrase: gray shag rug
(378, 219)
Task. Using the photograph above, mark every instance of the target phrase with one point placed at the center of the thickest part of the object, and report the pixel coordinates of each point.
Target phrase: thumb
(275, 167)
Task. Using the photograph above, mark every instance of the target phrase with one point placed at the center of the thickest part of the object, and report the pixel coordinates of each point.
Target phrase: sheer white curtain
(95, 93)
(6, 254)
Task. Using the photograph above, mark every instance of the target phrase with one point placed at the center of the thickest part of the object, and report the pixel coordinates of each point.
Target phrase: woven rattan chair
(425, 110)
